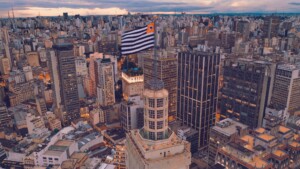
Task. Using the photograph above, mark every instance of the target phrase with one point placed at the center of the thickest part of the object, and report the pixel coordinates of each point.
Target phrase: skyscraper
(271, 26)
(167, 72)
(286, 91)
(5, 119)
(105, 81)
(156, 145)
(63, 71)
(245, 94)
(197, 96)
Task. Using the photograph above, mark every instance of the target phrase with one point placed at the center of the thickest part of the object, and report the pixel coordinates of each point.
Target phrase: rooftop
(283, 129)
(228, 127)
(266, 137)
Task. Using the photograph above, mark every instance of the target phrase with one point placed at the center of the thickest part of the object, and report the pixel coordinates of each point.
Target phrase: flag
(138, 40)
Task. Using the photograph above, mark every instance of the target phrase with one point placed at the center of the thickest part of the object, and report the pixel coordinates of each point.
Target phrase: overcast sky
(25, 8)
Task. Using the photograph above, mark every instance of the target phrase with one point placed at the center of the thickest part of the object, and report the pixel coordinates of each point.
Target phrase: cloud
(295, 3)
(155, 6)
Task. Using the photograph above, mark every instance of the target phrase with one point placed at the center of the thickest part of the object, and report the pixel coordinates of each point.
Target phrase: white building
(155, 145)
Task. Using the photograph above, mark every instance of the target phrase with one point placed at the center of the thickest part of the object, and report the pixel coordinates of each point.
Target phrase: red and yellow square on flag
(150, 28)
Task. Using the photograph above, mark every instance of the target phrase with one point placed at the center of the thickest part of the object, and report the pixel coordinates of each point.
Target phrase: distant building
(105, 81)
(5, 119)
(63, 72)
(271, 26)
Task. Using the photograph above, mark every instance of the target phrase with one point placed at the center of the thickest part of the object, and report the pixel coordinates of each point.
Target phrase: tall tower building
(155, 145)
(63, 72)
(271, 26)
(105, 81)
(167, 72)
(198, 74)
(286, 91)
(5, 119)
(246, 89)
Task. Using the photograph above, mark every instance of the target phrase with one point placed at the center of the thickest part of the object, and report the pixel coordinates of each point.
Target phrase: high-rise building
(129, 112)
(167, 72)
(198, 74)
(105, 81)
(63, 72)
(246, 89)
(156, 145)
(5, 119)
(286, 90)
(243, 27)
(271, 26)
(132, 83)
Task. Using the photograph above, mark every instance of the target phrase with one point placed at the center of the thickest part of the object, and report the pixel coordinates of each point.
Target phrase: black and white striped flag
(138, 40)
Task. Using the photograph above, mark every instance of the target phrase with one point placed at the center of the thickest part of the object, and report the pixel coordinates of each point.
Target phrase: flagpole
(155, 62)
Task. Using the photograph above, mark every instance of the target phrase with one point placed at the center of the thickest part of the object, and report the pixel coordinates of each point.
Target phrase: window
(152, 114)
(152, 135)
(159, 135)
(160, 102)
(151, 124)
(151, 103)
(160, 114)
(160, 124)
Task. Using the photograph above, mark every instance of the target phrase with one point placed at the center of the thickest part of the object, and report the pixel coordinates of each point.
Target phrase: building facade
(155, 145)
(105, 82)
(198, 74)
(245, 94)
(166, 68)
(63, 71)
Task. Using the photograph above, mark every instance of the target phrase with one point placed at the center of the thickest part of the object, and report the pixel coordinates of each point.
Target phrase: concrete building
(5, 119)
(271, 26)
(5, 65)
(105, 81)
(34, 123)
(286, 90)
(129, 112)
(262, 149)
(221, 134)
(132, 83)
(167, 72)
(245, 94)
(155, 145)
(63, 71)
(198, 75)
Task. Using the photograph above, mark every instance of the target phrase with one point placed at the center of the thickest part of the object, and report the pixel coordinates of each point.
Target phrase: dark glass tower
(67, 82)
(198, 74)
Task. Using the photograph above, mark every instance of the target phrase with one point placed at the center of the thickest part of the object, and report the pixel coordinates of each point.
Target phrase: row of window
(159, 114)
(159, 102)
(159, 124)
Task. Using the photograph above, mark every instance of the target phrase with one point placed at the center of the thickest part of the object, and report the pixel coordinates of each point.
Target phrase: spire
(13, 13)
(8, 15)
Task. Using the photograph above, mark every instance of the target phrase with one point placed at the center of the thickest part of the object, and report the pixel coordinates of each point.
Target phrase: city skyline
(25, 8)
